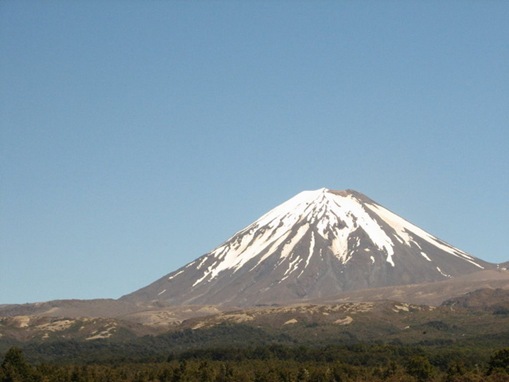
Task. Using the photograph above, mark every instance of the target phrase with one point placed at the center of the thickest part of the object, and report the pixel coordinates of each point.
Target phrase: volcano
(317, 244)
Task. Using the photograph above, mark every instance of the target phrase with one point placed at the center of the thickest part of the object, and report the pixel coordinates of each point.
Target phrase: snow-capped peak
(335, 214)
(317, 243)
(332, 215)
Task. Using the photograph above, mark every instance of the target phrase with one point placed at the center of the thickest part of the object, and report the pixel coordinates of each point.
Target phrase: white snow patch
(311, 248)
(399, 239)
(160, 293)
(175, 275)
(442, 273)
(310, 253)
(351, 212)
(340, 244)
(403, 229)
(288, 248)
(425, 256)
(201, 262)
(372, 259)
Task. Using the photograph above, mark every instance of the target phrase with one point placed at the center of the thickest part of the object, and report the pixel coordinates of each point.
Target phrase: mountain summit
(317, 244)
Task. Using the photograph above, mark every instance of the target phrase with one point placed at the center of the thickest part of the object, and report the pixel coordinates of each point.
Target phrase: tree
(420, 368)
(499, 361)
(15, 368)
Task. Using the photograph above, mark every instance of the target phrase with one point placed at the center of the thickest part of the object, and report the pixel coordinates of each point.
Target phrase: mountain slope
(317, 244)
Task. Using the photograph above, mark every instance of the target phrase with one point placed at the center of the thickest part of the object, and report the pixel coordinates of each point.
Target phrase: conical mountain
(317, 244)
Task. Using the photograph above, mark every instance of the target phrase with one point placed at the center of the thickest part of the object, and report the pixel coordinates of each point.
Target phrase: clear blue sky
(139, 135)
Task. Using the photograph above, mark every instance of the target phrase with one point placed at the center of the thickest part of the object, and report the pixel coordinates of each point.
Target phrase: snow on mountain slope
(319, 243)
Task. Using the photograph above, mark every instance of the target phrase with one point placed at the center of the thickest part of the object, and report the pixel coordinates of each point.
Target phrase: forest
(272, 363)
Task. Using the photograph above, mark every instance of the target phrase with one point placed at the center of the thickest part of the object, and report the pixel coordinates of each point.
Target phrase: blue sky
(137, 136)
